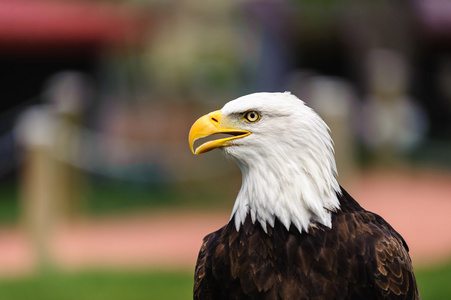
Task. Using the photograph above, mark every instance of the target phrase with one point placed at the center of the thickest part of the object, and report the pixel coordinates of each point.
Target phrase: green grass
(434, 283)
(100, 286)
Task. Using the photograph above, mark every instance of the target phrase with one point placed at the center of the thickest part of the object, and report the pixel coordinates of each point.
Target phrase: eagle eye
(251, 116)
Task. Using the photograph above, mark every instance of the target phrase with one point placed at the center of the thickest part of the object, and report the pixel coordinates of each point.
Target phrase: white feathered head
(286, 156)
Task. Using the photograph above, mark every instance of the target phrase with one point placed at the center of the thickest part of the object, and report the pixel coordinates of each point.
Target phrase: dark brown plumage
(360, 257)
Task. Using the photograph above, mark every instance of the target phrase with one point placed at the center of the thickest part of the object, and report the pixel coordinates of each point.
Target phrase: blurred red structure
(68, 24)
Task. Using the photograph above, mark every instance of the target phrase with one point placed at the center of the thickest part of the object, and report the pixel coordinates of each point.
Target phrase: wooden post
(37, 181)
(67, 92)
(50, 187)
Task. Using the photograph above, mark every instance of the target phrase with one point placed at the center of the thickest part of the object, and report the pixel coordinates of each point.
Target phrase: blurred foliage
(135, 285)
(9, 203)
(433, 153)
(110, 197)
(102, 197)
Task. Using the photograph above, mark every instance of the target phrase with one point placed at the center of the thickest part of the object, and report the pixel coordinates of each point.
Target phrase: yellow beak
(213, 123)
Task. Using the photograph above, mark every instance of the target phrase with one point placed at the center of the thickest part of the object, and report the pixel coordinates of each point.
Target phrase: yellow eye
(251, 116)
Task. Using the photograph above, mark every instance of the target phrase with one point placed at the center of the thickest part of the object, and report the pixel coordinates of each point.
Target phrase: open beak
(213, 123)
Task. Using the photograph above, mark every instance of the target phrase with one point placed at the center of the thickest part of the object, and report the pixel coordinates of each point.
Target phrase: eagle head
(285, 154)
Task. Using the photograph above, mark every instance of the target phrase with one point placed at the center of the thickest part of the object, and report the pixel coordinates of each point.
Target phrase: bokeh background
(100, 196)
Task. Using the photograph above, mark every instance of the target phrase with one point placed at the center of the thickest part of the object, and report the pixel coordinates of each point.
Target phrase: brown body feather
(360, 257)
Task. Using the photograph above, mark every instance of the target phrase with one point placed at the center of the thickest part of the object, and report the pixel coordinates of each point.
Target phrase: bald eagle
(294, 232)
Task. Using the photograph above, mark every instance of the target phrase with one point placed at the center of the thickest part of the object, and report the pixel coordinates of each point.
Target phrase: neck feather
(299, 189)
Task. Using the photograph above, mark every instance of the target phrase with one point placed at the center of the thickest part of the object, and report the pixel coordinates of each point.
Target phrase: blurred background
(100, 196)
